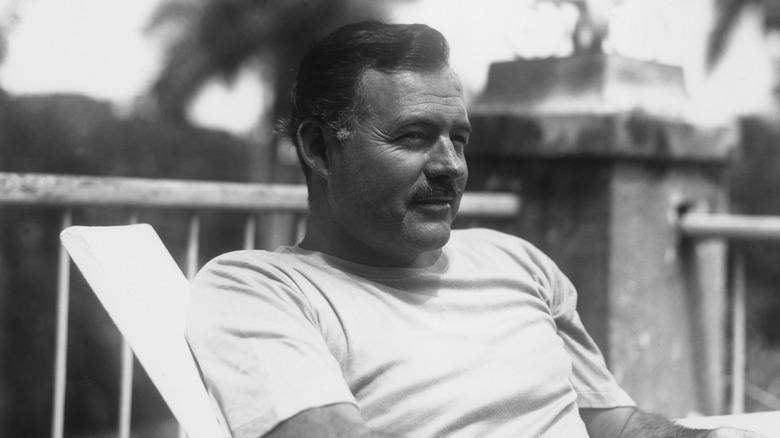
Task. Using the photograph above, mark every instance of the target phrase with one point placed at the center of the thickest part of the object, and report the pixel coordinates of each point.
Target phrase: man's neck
(324, 237)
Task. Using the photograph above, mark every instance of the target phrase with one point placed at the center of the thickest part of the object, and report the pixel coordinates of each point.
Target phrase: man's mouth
(435, 205)
(435, 199)
(432, 201)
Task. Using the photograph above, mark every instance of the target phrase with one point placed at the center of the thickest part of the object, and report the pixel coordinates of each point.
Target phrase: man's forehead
(408, 87)
(411, 77)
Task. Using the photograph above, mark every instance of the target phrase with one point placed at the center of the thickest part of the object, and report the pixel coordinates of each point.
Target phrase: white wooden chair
(145, 293)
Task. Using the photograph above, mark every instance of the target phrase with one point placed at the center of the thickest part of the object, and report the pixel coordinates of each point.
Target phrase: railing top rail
(77, 190)
(729, 226)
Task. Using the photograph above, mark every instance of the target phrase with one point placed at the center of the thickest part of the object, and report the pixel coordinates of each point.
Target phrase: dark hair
(329, 73)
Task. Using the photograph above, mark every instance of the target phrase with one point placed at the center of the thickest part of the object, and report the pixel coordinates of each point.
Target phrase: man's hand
(630, 422)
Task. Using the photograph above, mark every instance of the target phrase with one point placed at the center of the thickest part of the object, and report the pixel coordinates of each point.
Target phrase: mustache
(437, 189)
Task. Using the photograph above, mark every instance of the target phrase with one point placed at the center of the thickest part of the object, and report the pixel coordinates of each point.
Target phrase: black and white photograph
(390, 219)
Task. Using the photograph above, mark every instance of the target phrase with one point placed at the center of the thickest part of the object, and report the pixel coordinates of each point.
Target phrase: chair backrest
(145, 293)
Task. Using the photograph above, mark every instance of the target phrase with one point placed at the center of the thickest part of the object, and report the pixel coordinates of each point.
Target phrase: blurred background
(192, 89)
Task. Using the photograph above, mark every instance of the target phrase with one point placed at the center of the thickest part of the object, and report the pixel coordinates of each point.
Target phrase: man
(383, 322)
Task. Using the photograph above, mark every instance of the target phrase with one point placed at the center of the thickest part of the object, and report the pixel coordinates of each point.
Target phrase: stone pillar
(601, 151)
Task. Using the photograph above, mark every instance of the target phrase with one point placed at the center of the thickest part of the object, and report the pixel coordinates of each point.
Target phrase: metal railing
(68, 191)
(733, 227)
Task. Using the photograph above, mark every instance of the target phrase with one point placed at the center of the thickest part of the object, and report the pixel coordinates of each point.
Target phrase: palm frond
(213, 38)
(174, 13)
(727, 15)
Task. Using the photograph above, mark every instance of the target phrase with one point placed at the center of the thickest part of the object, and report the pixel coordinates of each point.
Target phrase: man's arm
(340, 420)
(625, 422)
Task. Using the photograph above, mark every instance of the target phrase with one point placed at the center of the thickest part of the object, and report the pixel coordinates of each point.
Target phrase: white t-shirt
(485, 343)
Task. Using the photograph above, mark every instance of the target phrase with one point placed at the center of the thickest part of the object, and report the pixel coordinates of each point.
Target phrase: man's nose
(446, 159)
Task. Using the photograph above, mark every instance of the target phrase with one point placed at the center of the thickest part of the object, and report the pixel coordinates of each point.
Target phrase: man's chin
(429, 236)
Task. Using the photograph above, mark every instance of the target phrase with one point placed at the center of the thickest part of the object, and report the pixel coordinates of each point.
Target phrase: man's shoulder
(243, 264)
(250, 257)
(239, 280)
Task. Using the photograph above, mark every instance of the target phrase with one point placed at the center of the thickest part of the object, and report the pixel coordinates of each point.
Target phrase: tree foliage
(727, 15)
(215, 38)
(74, 134)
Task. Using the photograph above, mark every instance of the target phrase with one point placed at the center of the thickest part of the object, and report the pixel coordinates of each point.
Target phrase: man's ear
(313, 146)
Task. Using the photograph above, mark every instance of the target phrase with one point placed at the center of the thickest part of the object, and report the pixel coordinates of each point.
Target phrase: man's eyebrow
(421, 119)
(415, 119)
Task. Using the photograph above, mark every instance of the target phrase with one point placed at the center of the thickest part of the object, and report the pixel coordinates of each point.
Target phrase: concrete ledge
(584, 83)
(630, 135)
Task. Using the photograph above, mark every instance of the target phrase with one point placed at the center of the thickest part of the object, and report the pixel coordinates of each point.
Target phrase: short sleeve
(594, 383)
(257, 343)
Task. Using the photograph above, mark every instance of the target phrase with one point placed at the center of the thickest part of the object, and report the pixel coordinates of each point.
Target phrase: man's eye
(462, 139)
(413, 138)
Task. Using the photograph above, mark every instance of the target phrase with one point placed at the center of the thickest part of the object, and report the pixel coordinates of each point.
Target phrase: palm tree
(727, 14)
(592, 26)
(209, 39)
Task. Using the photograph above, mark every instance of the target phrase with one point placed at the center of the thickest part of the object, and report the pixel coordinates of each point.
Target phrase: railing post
(300, 227)
(703, 268)
(250, 231)
(738, 332)
(126, 377)
(191, 262)
(193, 246)
(125, 390)
(278, 228)
(61, 343)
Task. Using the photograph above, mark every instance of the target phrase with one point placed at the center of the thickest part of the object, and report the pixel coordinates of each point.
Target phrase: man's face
(395, 185)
